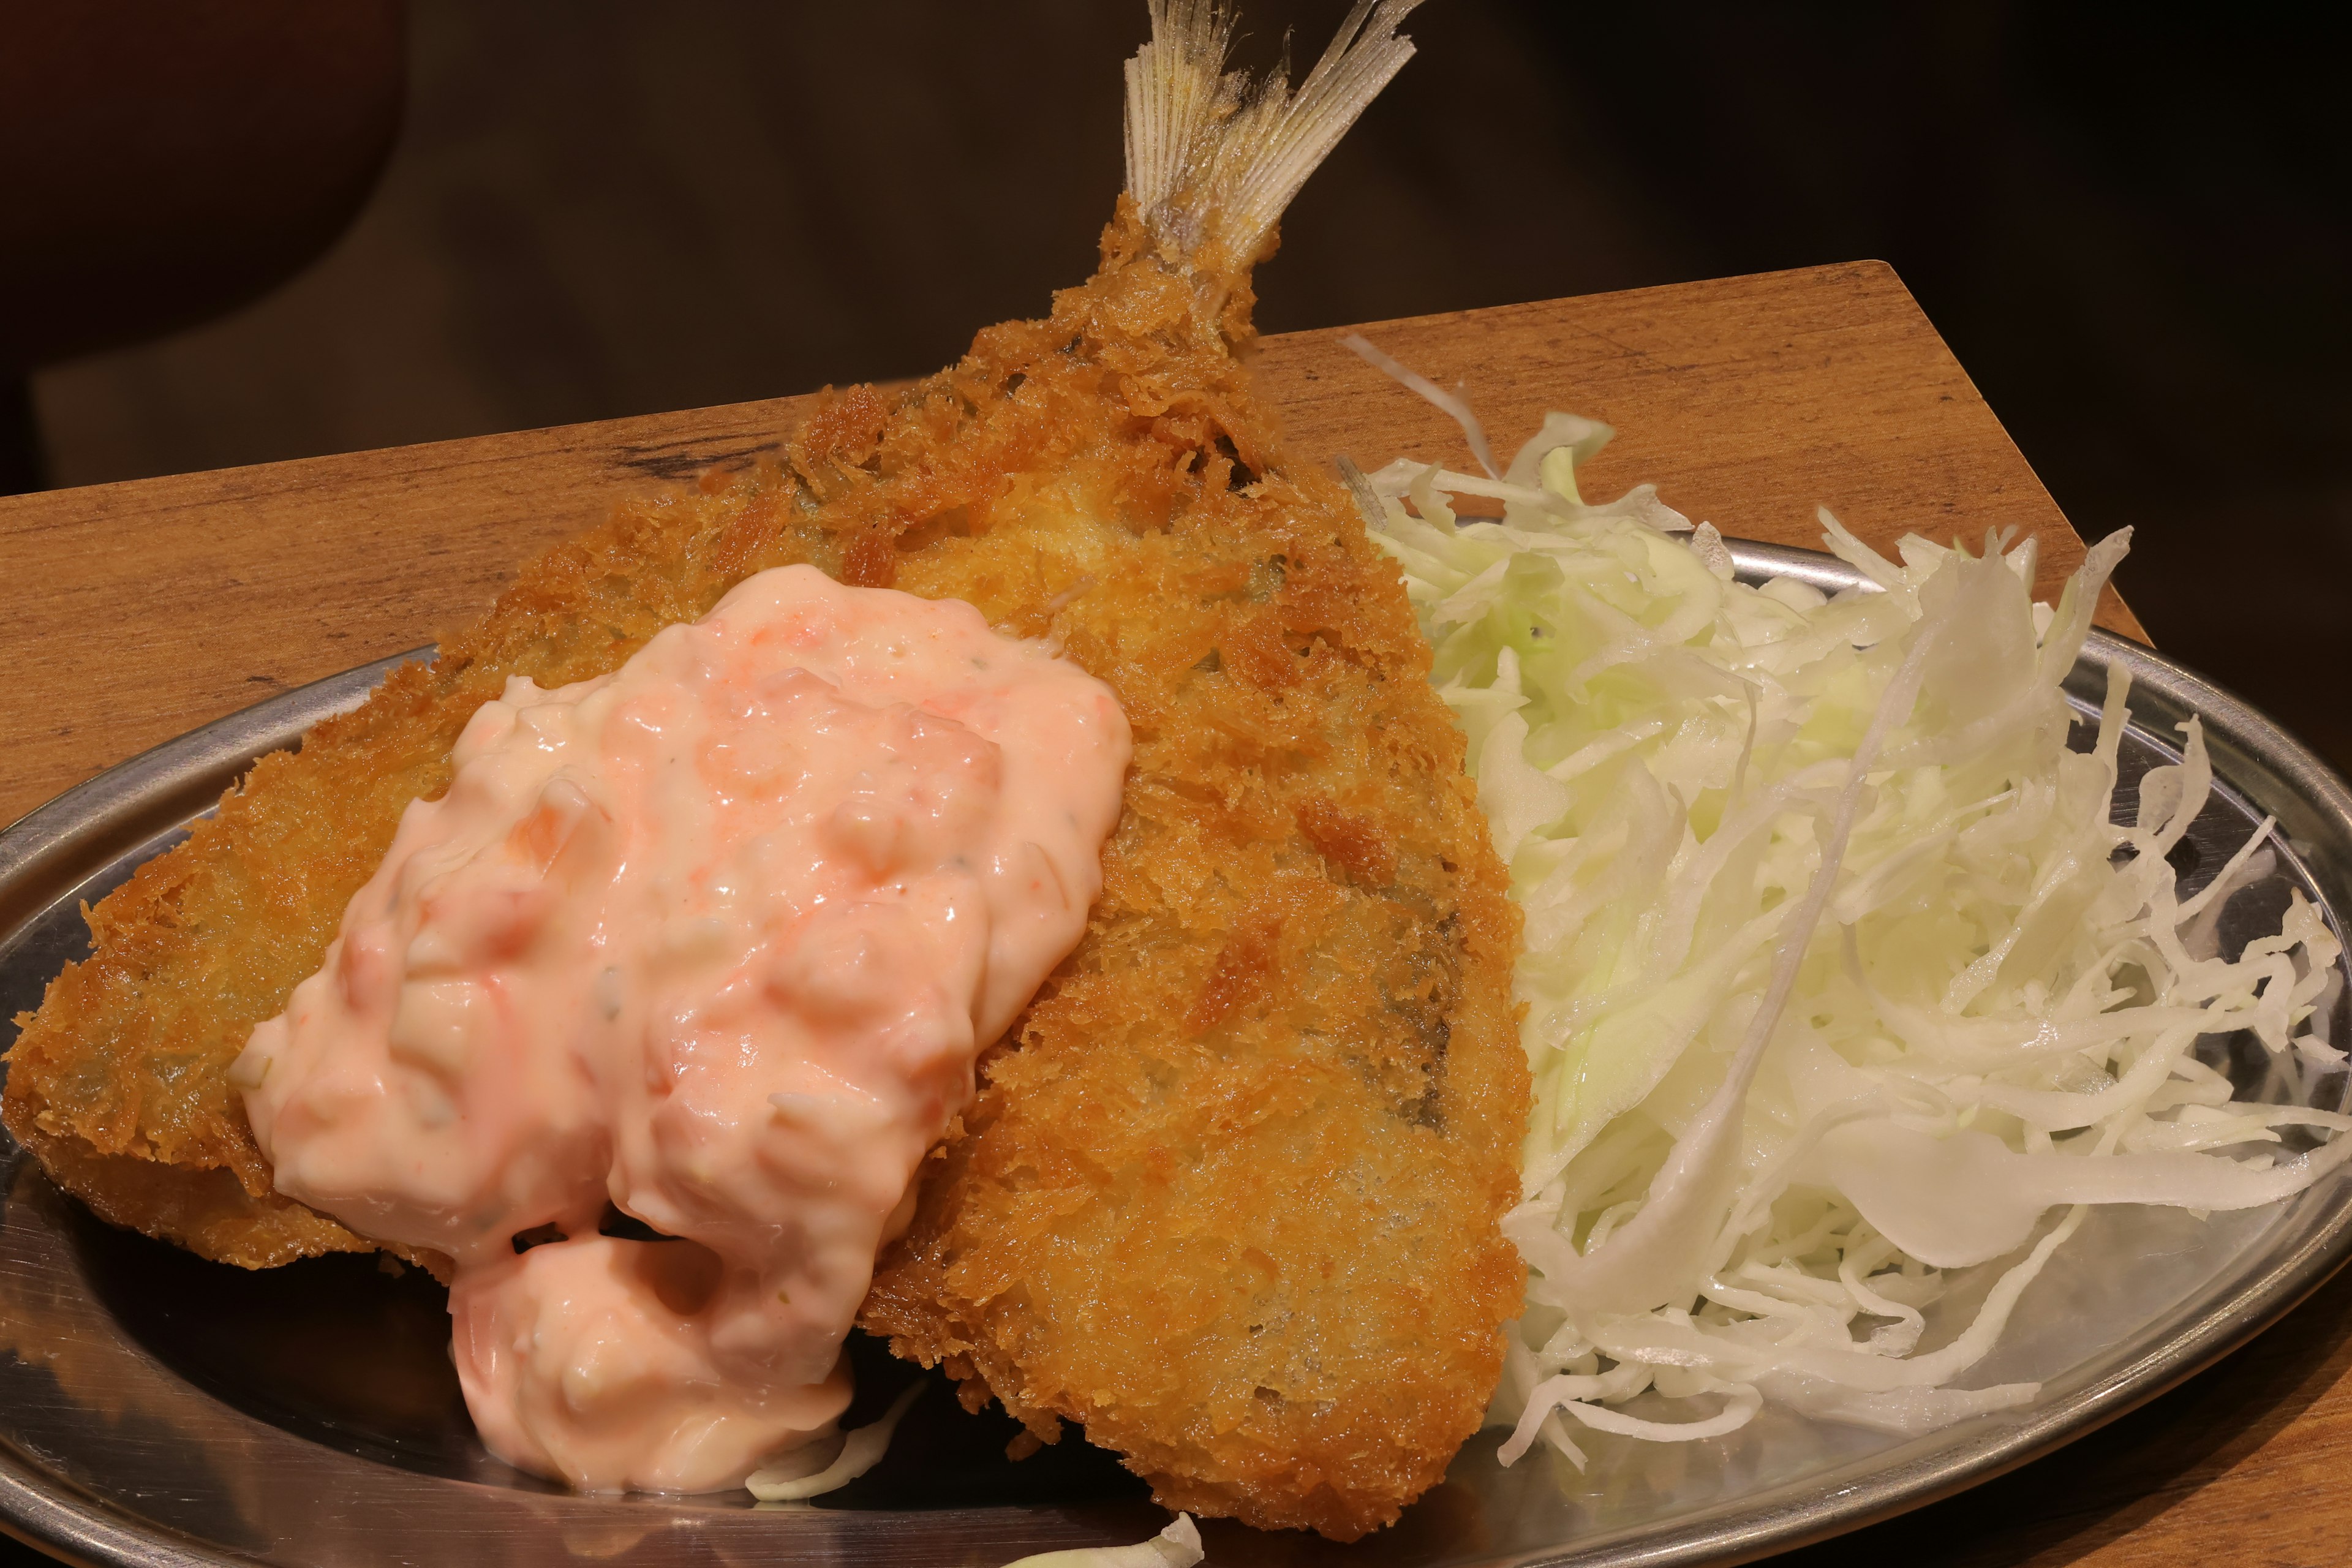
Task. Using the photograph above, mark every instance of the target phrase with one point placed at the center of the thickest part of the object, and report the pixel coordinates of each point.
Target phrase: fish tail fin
(1213, 156)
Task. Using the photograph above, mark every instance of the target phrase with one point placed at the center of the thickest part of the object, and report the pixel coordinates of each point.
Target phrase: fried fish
(1228, 1196)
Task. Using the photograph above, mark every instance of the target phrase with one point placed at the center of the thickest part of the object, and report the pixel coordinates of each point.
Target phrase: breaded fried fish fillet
(1228, 1197)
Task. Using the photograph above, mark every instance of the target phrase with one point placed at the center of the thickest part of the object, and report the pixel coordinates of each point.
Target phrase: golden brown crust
(1229, 1195)
(122, 1072)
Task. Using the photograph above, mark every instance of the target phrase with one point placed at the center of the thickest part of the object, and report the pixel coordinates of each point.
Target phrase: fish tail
(1214, 156)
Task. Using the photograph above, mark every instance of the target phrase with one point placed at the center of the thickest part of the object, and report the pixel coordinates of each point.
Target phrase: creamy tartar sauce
(716, 938)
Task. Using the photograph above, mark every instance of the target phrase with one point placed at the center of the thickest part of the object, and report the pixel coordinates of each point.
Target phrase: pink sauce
(717, 938)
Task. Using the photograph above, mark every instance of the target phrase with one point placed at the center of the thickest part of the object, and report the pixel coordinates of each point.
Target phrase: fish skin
(1228, 1196)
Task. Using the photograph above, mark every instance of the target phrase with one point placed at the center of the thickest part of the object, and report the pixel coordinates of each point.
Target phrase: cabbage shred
(1838, 976)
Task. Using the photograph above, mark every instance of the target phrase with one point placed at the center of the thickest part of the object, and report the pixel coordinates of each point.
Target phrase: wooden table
(138, 611)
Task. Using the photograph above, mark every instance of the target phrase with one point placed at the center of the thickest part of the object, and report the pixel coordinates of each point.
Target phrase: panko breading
(1229, 1195)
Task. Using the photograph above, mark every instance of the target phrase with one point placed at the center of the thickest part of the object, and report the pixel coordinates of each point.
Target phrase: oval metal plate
(158, 1410)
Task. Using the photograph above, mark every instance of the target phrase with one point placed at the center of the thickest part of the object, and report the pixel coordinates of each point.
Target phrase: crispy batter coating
(1228, 1197)
(119, 1082)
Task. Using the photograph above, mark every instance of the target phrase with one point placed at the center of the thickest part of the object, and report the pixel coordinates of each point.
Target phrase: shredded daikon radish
(1838, 976)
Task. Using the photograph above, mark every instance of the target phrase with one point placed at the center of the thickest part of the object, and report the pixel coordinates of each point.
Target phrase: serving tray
(158, 1410)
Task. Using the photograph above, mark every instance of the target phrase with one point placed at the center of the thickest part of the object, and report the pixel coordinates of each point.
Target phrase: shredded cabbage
(1837, 974)
(832, 1461)
(1178, 1546)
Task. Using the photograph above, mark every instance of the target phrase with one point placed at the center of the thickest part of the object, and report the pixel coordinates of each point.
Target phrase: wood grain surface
(138, 611)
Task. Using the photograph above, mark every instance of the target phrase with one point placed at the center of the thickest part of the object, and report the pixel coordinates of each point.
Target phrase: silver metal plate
(158, 1410)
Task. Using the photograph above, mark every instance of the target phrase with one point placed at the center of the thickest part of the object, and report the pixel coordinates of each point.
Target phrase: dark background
(2134, 232)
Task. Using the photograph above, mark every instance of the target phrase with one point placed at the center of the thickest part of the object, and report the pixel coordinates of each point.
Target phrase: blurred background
(273, 229)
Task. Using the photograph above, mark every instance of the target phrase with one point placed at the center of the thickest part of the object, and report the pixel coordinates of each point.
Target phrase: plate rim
(46, 854)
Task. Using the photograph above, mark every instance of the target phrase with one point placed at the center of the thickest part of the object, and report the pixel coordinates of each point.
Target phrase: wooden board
(138, 611)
